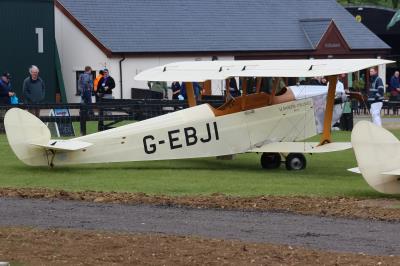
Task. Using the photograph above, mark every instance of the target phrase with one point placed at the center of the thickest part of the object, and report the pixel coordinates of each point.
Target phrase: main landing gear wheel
(270, 160)
(295, 161)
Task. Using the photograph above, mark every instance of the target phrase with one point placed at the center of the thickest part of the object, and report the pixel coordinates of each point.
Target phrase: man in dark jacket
(86, 85)
(5, 94)
(394, 86)
(33, 89)
(176, 90)
(5, 89)
(375, 96)
(105, 86)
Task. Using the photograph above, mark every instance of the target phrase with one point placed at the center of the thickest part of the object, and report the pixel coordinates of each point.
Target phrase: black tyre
(270, 160)
(295, 161)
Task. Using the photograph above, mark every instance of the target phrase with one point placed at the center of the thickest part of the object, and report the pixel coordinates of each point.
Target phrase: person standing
(324, 81)
(159, 86)
(315, 81)
(233, 88)
(197, 90)
(5, 89)
(394, 86)
(5, 94)
(96, 83)
(105, 86)
(375, 96)
(33, 89)
(176, 90)
(86, 85)
(86, 88)
(104, 91)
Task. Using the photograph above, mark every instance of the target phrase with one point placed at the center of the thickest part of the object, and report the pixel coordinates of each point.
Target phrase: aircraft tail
(378, 155)
(23, 129)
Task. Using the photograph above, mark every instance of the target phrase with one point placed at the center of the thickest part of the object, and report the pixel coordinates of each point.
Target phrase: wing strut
(227, 90)
(190, 94)
(244, 92)
(207, 87)
(258, 84)
(326, 136)
(275, 85)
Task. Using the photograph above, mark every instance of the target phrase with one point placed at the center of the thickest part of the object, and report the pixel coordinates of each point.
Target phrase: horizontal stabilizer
(393, 172)
(355, 170)
(64, 145)
(302, 147)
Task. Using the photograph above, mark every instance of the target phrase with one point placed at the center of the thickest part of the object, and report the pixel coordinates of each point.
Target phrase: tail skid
(378, 156)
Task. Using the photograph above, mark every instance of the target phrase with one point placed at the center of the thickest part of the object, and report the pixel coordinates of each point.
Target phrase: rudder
(377, 151)
(23, 129)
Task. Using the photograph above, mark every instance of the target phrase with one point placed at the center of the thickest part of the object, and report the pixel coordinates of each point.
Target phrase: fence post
(83, 113)
(2, 114)
(100, 124)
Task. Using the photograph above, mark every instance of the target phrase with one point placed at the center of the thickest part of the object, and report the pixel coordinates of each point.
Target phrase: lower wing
(302, 147)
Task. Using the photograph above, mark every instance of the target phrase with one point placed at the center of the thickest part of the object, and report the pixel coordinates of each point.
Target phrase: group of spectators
(375, 95)
(101, 87)
(33, 89)
(376, 92)
(233, 88)
(178, 89)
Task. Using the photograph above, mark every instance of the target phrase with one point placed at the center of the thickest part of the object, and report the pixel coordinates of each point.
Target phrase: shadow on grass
(207, 164)
(183, 164)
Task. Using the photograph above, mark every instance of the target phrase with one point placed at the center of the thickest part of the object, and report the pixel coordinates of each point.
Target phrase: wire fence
(106, 113)
(388, 108)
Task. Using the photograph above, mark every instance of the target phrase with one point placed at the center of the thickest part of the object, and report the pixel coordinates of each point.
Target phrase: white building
(128, 36)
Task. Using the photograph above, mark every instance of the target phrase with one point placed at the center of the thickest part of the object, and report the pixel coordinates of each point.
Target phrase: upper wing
(302, 147)
(218, 70)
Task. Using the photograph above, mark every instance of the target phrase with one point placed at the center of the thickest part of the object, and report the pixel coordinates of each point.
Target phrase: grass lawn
(325, 175)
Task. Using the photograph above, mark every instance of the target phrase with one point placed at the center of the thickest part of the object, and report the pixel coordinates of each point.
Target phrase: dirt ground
(24, 246)
(381, 209)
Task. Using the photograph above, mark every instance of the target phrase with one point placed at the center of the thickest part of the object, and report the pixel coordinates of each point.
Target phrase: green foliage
(385, 3)
(326, 175)
(359, 84)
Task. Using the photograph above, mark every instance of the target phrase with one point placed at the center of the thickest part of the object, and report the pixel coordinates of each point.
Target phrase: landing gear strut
(295, 161)
(270, 160)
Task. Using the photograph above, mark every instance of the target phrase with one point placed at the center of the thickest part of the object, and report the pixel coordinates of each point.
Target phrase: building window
(78, 73)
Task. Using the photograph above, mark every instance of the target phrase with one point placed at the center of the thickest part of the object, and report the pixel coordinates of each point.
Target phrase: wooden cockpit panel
(252, 101)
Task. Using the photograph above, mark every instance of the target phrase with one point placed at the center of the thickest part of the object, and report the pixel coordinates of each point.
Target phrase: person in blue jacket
(376, 96)
(394, 86)
(5, 94)
(5, 88)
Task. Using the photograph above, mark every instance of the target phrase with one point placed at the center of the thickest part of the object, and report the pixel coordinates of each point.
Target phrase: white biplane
(274, 123)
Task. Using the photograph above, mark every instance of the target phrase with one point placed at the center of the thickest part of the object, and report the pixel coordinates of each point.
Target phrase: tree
(387, 3)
